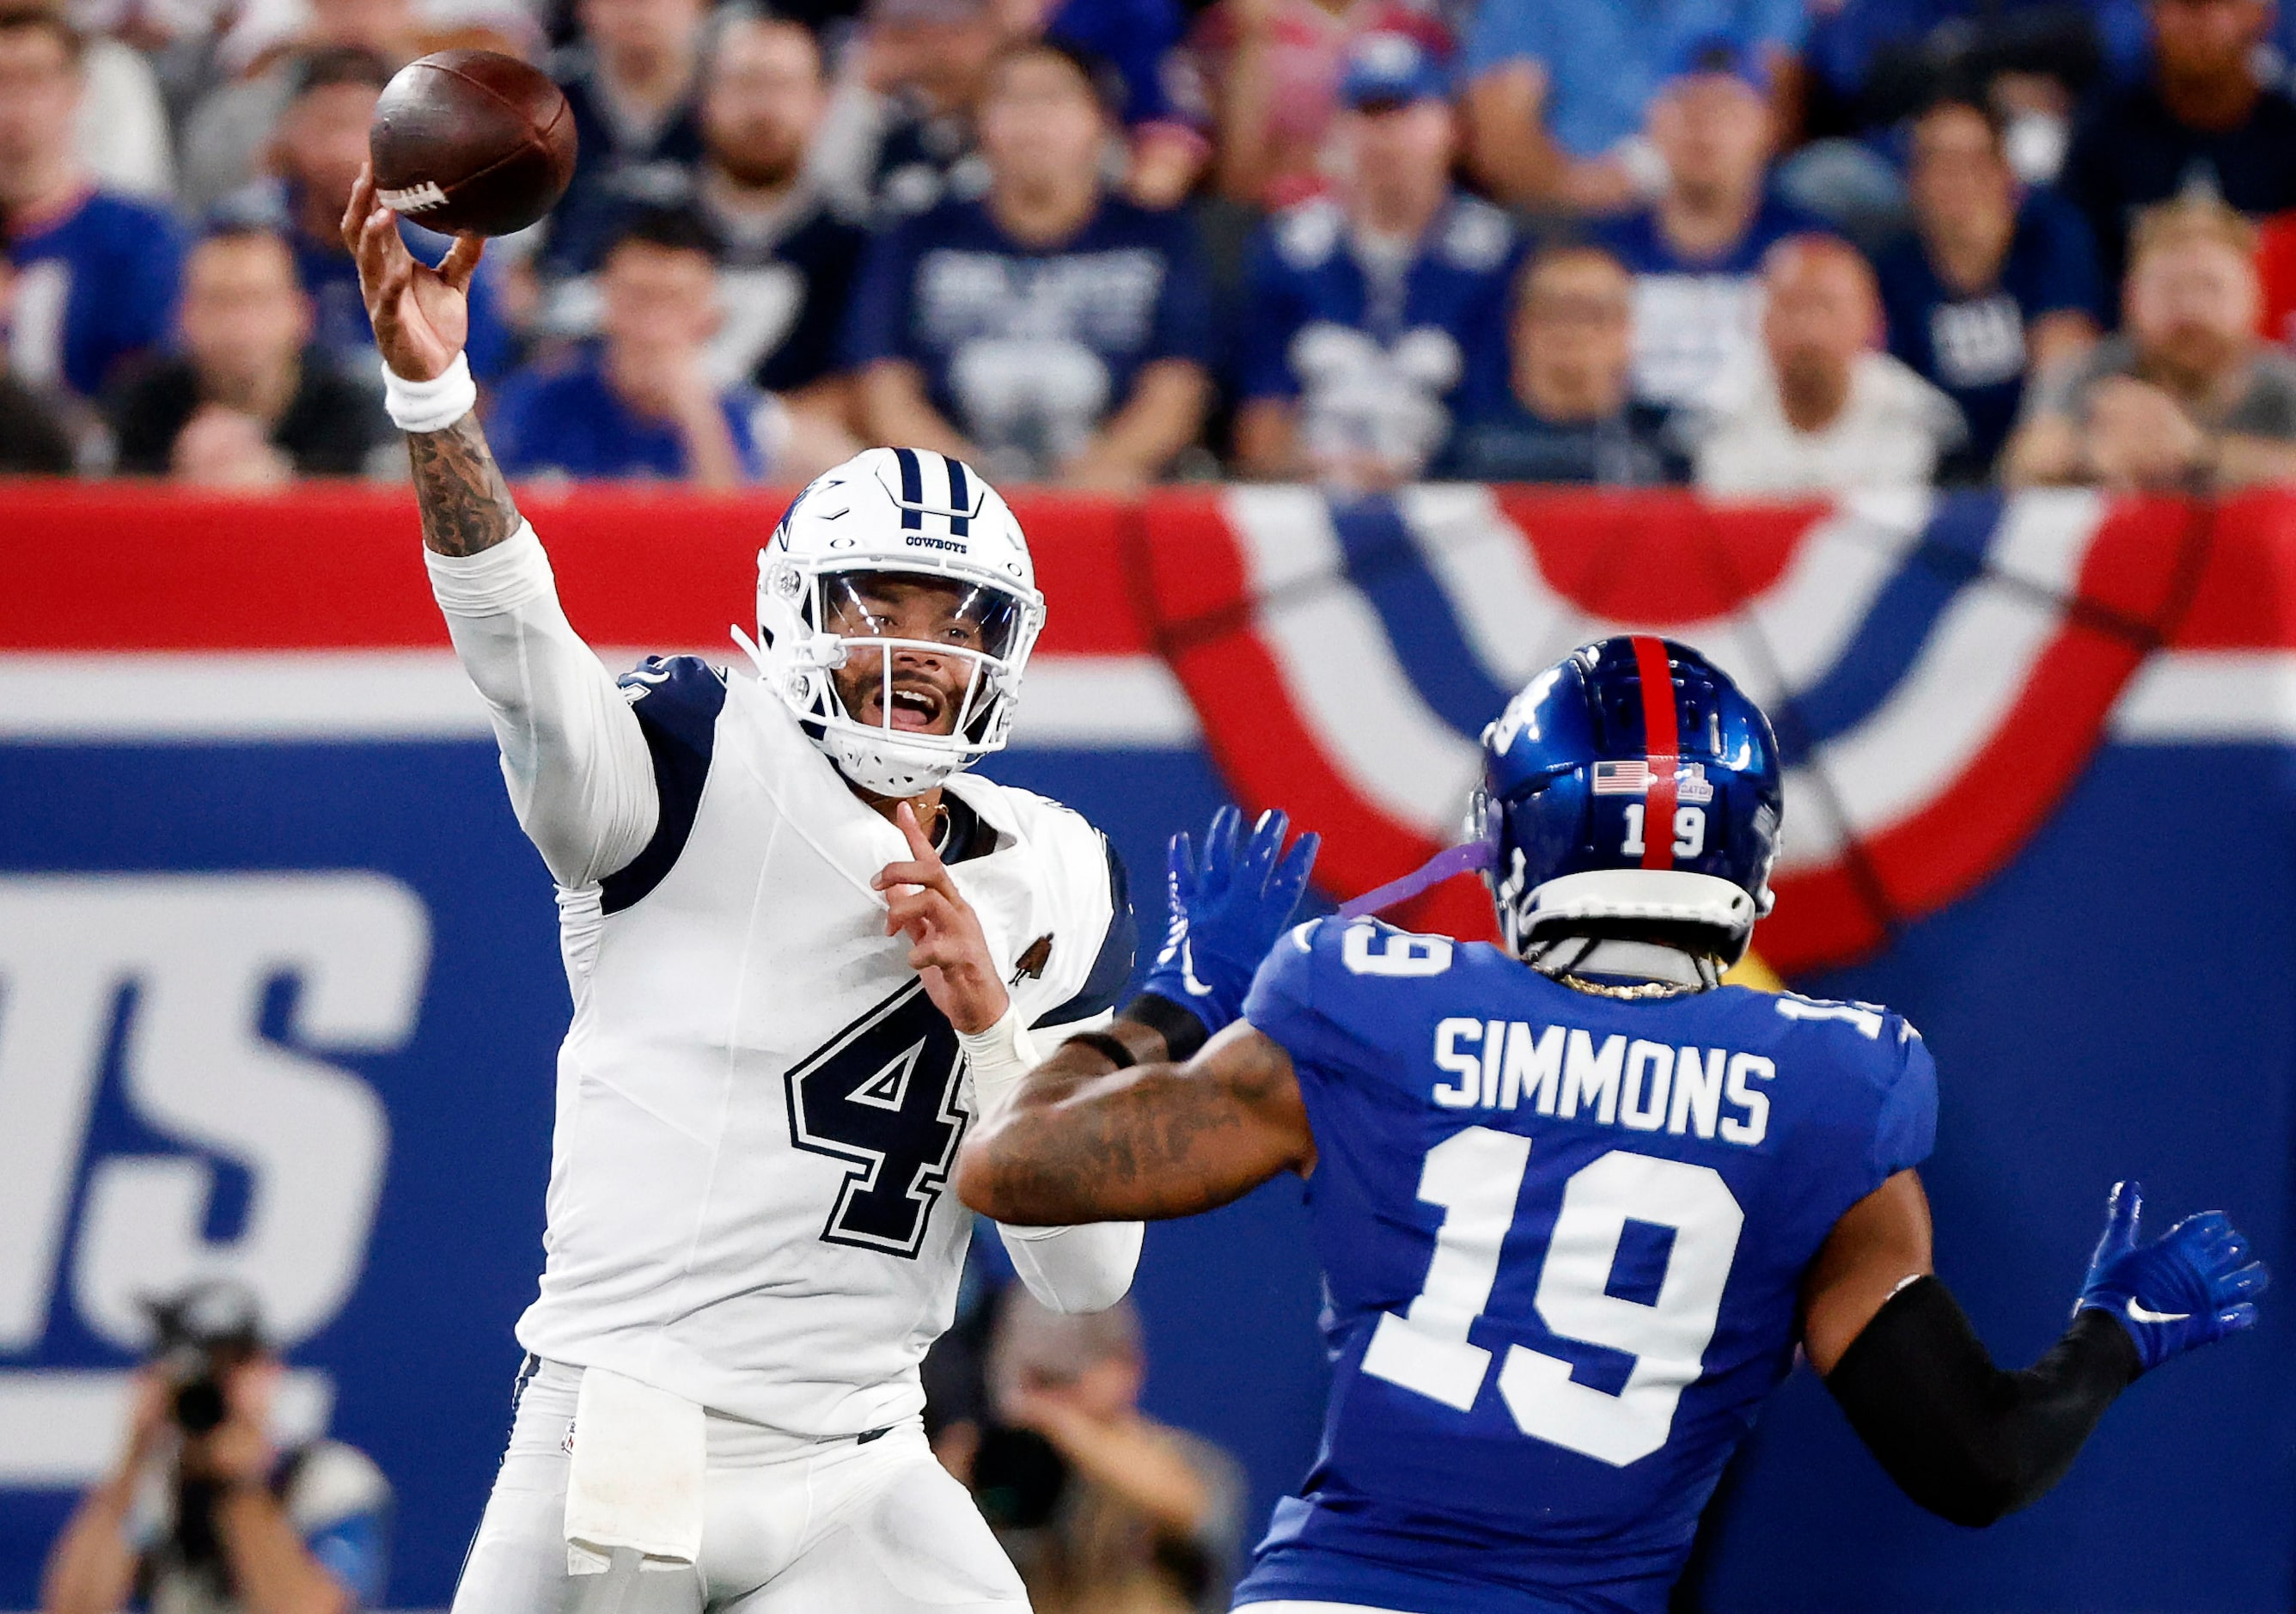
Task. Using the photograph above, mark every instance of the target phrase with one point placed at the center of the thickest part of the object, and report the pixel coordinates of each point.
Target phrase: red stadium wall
(110, 569)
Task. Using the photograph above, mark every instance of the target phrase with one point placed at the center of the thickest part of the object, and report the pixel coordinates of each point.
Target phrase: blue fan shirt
(1973, 345)
(1563, 1239)
(1604, 63)
(94, 290)
(618, 164)
(567, 421)
(1383, 357)
(1028, 350)
(1697, 319)
(1135, 38)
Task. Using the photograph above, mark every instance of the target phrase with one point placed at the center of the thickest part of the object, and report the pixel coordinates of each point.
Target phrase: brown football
(471, 140)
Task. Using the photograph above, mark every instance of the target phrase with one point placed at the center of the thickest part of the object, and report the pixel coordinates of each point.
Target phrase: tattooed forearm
(466, 504)
(1081, 1143)
(1143, 1150)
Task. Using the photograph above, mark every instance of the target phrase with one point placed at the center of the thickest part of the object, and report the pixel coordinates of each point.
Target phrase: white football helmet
(914, 513)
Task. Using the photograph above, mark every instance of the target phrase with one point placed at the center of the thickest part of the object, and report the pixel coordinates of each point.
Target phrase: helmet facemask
(905, 674)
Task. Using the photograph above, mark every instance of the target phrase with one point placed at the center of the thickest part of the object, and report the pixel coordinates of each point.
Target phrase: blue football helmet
(1631, 782)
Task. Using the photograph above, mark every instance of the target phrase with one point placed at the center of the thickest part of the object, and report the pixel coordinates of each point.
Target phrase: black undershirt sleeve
(1961, 1437)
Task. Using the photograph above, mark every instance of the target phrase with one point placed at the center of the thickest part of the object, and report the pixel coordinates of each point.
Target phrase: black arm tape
(1110, 1048)
(1182, 1032)
(1964, 1439)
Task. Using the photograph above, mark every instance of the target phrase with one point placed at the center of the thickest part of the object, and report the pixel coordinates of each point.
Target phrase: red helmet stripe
(1661, 743)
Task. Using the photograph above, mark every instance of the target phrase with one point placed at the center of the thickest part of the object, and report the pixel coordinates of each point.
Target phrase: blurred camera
(197, 1336)
(1018, 1477)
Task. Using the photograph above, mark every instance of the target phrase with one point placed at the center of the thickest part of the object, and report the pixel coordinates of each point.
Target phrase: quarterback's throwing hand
(2195, 1284)
(1229, 905)
(947, 947)
(421, 315)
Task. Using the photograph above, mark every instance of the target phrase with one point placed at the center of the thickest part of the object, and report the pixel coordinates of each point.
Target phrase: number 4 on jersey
(881, 1096)
(1476, 1175)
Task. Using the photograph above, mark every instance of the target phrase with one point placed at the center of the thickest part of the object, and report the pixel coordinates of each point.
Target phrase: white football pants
(826, 1527)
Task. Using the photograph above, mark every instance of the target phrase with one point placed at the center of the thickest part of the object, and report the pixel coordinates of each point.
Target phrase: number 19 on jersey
(1476, 1175)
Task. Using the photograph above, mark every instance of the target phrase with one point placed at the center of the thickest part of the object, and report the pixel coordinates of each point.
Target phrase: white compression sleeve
(1068, 1269)
(1076, 1269)
(580, 776)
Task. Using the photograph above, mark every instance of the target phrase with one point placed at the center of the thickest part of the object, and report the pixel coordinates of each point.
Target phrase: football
(471, 140)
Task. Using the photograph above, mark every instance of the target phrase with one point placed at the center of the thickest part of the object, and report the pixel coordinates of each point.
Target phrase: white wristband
(430, 405)
(999, 1057)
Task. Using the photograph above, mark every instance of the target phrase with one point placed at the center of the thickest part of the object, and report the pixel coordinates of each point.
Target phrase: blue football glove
(2192, 1286)
(1228, 908)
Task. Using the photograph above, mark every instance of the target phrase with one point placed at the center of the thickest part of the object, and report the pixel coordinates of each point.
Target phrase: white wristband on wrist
(430, 405)
(999, 1057)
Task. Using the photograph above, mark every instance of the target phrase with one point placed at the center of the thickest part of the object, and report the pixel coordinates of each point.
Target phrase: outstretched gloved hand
(2193, 1285)
(1229, 905)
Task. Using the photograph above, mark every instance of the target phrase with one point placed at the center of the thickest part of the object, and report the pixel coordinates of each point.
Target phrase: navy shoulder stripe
(1112, 969)
(676, 700)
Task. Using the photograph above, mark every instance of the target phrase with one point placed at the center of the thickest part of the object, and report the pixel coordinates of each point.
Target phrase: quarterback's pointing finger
(925, 867)
(947, 949)
(921, 846)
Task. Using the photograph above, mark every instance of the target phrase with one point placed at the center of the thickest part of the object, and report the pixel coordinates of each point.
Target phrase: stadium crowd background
(1098, 243)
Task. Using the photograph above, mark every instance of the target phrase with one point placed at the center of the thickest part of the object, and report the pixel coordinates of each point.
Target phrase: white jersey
(758, 1106)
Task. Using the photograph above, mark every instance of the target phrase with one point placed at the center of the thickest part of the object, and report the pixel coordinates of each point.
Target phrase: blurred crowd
(1755, 246)
(1102, 1508)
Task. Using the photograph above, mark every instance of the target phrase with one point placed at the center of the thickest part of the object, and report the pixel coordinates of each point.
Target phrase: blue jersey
(330, 275)
(1135, 37)
(1972, 344)
(1381, 358)
(567, 421)
(1697, 320)
(1028, 350)
(1602, 65)
(94, 289)
(616, 166)
(1563, 1239)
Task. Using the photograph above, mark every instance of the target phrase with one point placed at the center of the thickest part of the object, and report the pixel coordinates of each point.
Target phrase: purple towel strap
(1452, 860)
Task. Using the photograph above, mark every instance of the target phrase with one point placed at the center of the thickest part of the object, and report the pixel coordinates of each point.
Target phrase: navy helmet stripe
(912, 490)
(960, 525)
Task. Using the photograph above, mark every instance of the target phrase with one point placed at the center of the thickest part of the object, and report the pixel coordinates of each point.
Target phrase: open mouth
(916, 707)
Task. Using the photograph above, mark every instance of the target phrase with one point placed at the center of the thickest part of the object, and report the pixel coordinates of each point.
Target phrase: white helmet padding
(1657, 895)
(916, 513)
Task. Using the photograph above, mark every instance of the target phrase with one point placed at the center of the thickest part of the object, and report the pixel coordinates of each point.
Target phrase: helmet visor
(920, 608)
